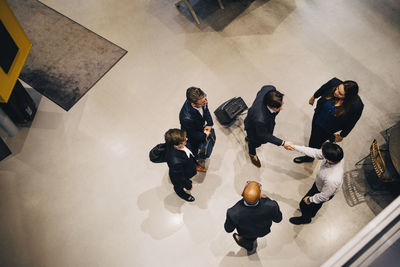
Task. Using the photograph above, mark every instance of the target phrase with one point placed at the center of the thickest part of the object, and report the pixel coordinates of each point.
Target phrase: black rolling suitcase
(228, 111)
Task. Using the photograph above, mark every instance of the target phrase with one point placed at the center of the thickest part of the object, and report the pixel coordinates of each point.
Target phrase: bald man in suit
(252, 217)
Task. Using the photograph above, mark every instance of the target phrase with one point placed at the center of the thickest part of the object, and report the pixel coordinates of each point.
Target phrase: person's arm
(352, 121)
(207, 116)
(277, 213)
(311, 152)
(328, 189)
(326, 87)
(229, 225)
(265, 136)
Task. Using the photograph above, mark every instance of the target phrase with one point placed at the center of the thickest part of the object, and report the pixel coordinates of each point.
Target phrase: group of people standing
(338, 109)
(182, 145)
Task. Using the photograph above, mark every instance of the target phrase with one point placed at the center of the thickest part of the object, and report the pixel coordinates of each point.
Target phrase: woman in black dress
(338, 109)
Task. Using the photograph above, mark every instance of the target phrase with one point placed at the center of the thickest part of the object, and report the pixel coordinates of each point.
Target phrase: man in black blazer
(196, 120)
(252, 217)
(181, 163)
(260, 121)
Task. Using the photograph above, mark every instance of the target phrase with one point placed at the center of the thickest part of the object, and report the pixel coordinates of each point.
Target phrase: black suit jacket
(253, 222)
(193, 123)
(181, 168)
(260, 122)
(346, 122)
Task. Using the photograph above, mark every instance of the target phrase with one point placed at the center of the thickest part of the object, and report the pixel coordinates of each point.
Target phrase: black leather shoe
(186, 196)
(299, 220)
(255, 160)
(254, 249)
(189, 198)
(303, 159)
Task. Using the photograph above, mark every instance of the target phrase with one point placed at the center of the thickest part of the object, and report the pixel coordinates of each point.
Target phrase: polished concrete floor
(79, 189)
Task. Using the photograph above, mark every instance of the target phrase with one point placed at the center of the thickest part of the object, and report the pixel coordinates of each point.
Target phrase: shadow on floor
(362, 185)
(211, 15)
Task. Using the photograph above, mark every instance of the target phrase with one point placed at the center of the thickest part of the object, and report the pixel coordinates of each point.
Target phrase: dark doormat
(66, 59)
(209, 12)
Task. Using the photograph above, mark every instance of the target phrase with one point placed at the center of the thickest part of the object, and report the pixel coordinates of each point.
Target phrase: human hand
(338, 138)
(208, 128)
(307, 200)
(311, 101)
(263, 196)
(207, 131)
(288, 145)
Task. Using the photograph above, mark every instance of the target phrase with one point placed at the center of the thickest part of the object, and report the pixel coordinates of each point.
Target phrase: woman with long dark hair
(339, 107)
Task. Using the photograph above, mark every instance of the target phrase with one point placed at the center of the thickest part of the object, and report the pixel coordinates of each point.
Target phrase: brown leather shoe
(254, 159)
(200, 168)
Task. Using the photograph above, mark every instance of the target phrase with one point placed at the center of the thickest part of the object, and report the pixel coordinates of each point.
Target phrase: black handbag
(228, 111)
(157, 153)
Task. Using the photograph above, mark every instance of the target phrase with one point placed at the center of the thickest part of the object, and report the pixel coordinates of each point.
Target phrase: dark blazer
(181, 168)
(253, 222)
(260, 122)
(193, 123)
(346, 122)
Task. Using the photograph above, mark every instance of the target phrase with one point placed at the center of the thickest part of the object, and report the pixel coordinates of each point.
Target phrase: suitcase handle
(228, 102)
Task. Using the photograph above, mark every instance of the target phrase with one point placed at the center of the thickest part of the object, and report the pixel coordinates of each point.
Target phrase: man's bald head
(252, 192)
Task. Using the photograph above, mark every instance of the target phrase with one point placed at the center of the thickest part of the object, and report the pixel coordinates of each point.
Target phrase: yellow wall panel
(7, 80)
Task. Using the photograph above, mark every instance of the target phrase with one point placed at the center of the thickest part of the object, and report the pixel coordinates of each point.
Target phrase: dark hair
(174, 137)
(273, 99)
(194, 94)
(332, 152)
(350, 96)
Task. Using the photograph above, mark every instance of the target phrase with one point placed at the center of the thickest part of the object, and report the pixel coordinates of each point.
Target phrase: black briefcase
(228, 111)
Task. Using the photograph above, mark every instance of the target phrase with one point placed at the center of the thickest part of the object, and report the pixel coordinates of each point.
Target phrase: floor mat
(66, 59)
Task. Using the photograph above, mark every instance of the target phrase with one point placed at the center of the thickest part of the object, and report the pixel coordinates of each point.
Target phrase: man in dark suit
(252, 217)
(196, 120)
(181, 163)
(260, 121)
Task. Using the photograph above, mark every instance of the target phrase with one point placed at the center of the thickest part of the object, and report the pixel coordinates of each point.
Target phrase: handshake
(288, 145)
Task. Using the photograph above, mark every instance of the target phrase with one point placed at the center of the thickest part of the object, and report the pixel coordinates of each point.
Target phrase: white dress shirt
(329, 177)
(200, 110)
(187, 151)
(271, 110)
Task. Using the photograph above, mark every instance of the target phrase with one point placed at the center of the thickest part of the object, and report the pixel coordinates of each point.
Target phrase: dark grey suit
(260, 122)
(193, 123)
(254, 221)
(181, 169)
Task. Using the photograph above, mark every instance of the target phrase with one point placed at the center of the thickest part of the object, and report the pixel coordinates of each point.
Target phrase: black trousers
(247, 242)
(194, 147)
(318, 136)
(179, 186)
(252, 147)
(309, 211)
(180, 192)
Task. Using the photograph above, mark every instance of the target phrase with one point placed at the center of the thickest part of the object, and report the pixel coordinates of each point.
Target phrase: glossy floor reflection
(79, 189)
